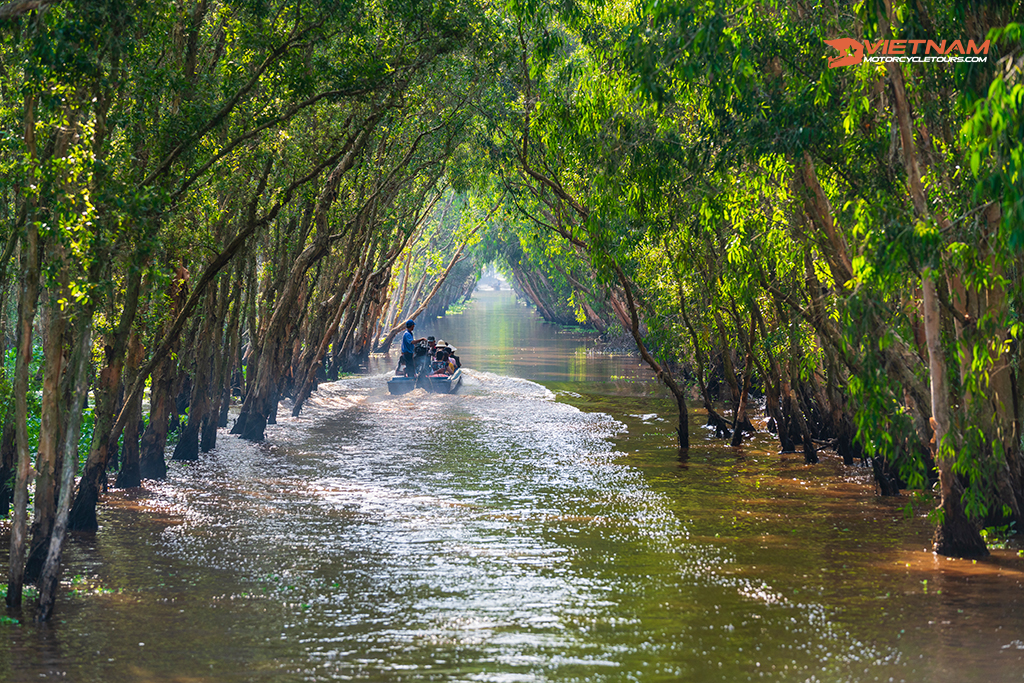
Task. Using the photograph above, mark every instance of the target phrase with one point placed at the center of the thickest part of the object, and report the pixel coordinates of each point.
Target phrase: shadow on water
(541, 525)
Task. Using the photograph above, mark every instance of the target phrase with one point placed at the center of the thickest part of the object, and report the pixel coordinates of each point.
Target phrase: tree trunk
(386, 343)
(79, 368)
(261, 402)
(721, 425)
(955, 535)
(26, 316)
(728, 369)
(230, 351)
(742, 423)
(8, 461)
(152, 463)
(664, 374)
(130, 474)
(47, 468)
(309, 382)
(220, 360)
(83, 511)
(187, 447)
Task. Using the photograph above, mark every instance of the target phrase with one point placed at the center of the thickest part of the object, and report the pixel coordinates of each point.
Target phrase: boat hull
(401, 385)
(444, 384)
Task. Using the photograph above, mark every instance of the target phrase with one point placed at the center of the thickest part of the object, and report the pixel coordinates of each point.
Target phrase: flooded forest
(737, 296)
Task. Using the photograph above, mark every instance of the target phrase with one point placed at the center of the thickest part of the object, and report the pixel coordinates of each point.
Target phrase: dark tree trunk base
(129, 477)
(958, 538)
(272, 416)
(151, 456)
(36, 559)
(746, 427)
(208, 438)
(239, 425)
(887, 481)
(187, 448)
(83, 510)
(722, 428)
(254, 429)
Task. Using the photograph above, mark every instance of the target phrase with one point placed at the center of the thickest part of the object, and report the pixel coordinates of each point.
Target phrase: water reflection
(501, 534)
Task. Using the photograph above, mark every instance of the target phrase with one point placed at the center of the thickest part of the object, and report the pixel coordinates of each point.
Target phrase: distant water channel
(537, 526)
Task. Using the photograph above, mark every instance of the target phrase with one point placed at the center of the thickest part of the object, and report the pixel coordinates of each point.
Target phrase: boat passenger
(408, 349)
(451, 353)
(449, 364)
(439, 366)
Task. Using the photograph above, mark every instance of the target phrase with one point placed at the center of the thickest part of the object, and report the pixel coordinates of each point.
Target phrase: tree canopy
(218, 200)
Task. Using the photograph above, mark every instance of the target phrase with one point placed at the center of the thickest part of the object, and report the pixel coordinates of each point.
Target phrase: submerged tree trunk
(308, 383)
(664, 374)
(955, 535)
(94, 478)
(261, 401)
(47, 463)
(187, 447)
(79, 369)
(742, 423)
(130, 476)
(152, 463)
(721, 425)
(229, 352)
(26, 316)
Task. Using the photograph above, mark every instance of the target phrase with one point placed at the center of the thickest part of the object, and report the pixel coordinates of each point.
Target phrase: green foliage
(998, 536)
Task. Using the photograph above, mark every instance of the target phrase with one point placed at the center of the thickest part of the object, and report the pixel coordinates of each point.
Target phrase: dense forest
(216, 202)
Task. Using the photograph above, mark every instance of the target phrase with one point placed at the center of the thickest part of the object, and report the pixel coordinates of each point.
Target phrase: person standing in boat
(409, 348)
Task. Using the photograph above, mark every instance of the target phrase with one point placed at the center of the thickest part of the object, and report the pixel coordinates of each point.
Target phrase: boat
(440, 383)
(429, 374)
(401, 383)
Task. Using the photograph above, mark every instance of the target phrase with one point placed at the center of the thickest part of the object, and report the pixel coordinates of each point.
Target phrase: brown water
(537, 526)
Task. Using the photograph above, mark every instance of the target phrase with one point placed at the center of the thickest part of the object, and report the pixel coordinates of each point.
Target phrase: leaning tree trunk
(721, 425)
(955, 535)
(308, 384)
(152, 462)
(230, 351)
(664, 374)
(261, 400)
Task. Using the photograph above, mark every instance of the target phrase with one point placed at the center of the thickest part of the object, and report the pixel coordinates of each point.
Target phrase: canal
(539, 525)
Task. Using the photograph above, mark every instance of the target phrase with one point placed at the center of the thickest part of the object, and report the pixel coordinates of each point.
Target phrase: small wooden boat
(440, 383)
